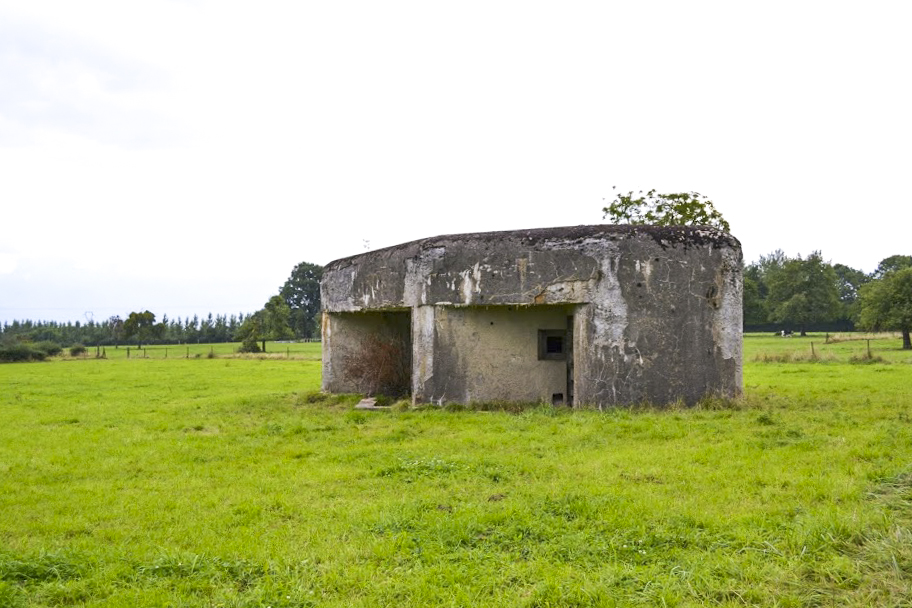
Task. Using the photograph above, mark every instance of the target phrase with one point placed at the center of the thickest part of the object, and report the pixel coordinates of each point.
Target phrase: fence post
(813, 354)
(166, 352)
(869, 348)
(128, 352)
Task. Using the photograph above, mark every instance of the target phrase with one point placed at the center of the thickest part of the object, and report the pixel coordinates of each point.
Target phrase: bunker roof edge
(663, 235)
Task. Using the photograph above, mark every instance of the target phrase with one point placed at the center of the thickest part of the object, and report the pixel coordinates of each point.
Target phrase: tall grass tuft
(37, 568)
(794, 357)
(867, 358)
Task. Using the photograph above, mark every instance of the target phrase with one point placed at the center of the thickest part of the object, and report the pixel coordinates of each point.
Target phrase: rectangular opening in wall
(552, 344)
(376, 351)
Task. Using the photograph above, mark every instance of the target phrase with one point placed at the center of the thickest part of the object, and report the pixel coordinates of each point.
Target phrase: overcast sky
(183, 156)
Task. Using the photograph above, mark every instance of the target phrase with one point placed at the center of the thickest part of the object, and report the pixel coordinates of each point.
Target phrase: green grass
(228, 482)
(274, 350)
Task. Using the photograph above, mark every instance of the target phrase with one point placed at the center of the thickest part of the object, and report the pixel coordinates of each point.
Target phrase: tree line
(803, 293)
(780, 292)
(111, 332)
(293, 313)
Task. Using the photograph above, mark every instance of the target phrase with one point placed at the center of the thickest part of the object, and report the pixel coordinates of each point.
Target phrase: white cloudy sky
(183, 156)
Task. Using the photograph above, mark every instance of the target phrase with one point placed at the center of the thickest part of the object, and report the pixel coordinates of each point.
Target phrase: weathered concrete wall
(658, 310)
(489, 354)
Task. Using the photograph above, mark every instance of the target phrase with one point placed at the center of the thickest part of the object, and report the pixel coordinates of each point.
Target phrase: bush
(51, 349)
(249, 345)
(77, 349)
(17, 352)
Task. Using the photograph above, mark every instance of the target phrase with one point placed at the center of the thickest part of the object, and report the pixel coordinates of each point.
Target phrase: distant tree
(276, 317)
(754, 310)
(142, 326)
(803, 291)
(891, 264)
(302, 294)
(232, 327)
(206, 329)
(886, 304)
(756, 286)
(676, 209)
(269, 323)
(848, 282)
(191, 329)
(769, 264)
(249, 335)
(221, 328)
(116, 327)
(176, 330)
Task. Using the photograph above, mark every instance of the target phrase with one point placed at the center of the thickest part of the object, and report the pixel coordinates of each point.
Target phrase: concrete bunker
(585, 315)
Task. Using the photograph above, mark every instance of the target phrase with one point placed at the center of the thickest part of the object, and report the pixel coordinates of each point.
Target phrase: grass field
(226, 481)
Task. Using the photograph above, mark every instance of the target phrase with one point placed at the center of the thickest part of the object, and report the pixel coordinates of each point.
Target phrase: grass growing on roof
(230, 482)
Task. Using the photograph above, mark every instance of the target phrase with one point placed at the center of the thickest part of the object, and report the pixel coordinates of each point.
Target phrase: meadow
(211, 479)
